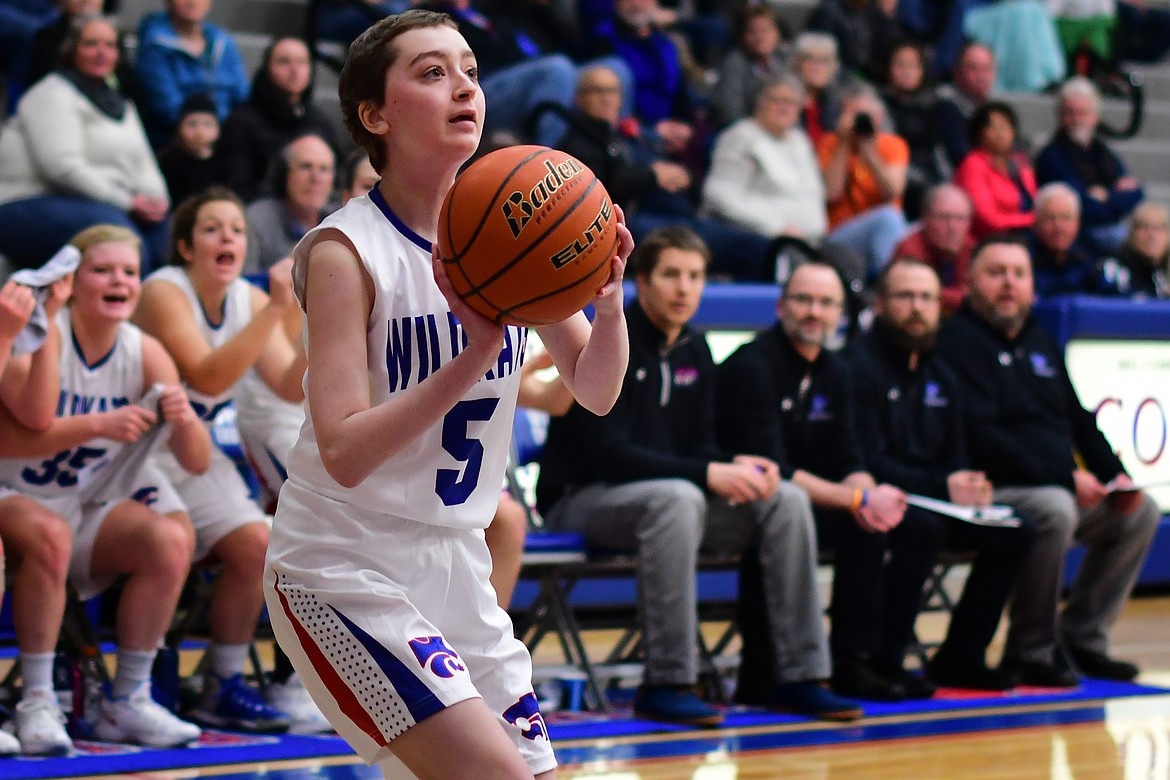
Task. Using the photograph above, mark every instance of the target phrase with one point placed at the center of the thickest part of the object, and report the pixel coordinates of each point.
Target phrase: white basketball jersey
(236, 314)
(451, 474)
(114, 381)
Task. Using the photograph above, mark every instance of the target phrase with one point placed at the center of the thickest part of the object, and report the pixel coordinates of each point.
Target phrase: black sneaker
(1101, 666)
(1041, 675)
(973, 674)
(917, 686)
(857, 679)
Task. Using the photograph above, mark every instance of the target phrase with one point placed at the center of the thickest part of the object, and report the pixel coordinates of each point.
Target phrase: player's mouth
(225, 259)
(462, 117)
(112, 298)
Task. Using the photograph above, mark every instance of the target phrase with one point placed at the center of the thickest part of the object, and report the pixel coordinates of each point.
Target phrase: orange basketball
(526, 234)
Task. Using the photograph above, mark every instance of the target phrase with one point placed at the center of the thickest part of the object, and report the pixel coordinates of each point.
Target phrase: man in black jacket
(1027, 430)
(784, 396)
(909, 424)
(649, 478)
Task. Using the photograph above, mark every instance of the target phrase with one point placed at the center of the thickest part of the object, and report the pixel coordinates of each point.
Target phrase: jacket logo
(1041, 366)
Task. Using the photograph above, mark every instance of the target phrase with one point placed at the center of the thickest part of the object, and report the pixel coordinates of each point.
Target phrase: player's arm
(353, 436)
(189, 439)
(164, 312)
(592, 362)
(30, 384)
(18, 441)
(282, 363)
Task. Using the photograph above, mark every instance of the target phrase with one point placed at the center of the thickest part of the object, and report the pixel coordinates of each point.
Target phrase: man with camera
(865, 175)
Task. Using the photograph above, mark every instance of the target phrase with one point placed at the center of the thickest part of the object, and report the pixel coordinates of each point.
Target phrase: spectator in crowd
(662, 99)
(649, 478)
(864, 31)
(1078, 156)
(971, 83)
(943, 241)
(1023, 38)
(46, 44)
(108, 366)
(911, 432)
(939, 23)
(1026, 429)
(653, 190)
(302, 187)
(190, 164)
(181, 54)
(37, 542)
(911, 106)
(1085, 27)
(279, 108)
(343, 21)
(758, 56)
(516, 73)
(764, 177)
(785, 397)
(995, 175)
(865, 176)
(1059, 264)
(359, 176)
(217, 327)
(814, 58)
(19, 22)
(75, 155)
(1141, 269)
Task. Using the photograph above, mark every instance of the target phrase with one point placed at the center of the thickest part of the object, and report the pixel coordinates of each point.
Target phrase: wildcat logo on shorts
(525, 714)
(433, 654)
(147, 496)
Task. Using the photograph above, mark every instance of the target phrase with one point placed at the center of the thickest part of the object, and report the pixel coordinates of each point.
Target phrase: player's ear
(370, 114)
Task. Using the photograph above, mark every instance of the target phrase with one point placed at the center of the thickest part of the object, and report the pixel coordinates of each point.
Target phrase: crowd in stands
(864, 162)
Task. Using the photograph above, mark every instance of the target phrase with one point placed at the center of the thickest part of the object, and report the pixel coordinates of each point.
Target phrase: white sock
(227, 660)
(133, 670)
(36, 672)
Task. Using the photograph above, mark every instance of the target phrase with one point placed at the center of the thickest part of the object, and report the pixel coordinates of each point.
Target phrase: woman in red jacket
(998, 178)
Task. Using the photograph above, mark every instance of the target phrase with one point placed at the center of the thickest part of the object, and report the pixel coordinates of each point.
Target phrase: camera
(863, 125)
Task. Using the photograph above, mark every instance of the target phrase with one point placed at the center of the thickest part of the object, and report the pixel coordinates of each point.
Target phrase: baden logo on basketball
(519, 208)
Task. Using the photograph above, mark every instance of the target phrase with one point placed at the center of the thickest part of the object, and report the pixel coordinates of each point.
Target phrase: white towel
(118, 476)
(40, 280)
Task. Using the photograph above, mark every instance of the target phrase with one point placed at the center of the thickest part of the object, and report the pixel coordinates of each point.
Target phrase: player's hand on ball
(610, 295)
(475, 325)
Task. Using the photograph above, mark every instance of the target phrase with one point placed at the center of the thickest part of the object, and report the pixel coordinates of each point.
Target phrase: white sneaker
(292, 699)
(9, 745)
(139, 719)
(40, 727)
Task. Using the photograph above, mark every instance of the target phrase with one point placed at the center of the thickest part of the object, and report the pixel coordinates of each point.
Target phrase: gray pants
(1116, 547)
(666, 522)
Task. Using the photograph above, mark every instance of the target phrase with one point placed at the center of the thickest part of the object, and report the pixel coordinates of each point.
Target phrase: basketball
(526, 235)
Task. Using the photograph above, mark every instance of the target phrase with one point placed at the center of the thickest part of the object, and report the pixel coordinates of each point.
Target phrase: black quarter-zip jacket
(773, 402)
(908, 420)
(1023, 421)
(660, 427)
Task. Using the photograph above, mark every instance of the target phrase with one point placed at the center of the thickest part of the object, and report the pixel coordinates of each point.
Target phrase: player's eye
(434, 72)
(473, 73)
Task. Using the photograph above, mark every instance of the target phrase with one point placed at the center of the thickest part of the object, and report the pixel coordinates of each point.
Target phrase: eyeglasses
(1150, 226)
(803, 299)
(601, 90)
(909, 296)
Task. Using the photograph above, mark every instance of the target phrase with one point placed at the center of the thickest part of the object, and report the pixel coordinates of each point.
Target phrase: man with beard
(1026, 429)
(1078, 156)
(785, 397)
(909, 424)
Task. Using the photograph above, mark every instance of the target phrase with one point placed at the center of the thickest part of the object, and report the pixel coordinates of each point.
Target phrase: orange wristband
(858, 500)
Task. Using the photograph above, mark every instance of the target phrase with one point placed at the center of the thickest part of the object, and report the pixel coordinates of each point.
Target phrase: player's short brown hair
(649, 250)
(363, 77)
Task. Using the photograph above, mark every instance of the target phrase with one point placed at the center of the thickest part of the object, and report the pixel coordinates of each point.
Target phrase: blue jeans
(514, 92)
(35, 228)
(874, 233)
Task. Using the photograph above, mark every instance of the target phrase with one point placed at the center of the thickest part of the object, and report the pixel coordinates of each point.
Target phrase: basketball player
(377, 577)
(217, 326)
(142, 534)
